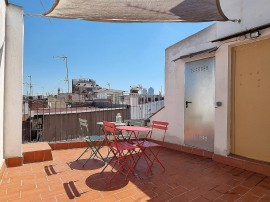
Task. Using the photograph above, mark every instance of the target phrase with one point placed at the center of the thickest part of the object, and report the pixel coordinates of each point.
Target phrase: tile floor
(187, 178)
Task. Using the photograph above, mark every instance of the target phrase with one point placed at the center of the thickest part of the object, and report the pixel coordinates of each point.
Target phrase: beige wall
(175, 71)
(2, 59)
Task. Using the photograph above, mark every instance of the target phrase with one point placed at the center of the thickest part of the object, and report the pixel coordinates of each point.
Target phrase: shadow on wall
(1, 51)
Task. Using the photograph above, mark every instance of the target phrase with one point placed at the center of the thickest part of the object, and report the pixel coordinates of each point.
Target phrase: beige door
(251, 100)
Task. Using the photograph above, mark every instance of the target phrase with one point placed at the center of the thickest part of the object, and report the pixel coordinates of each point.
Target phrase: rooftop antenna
(65, 58)
(140, 87)
(109, 85)
(30, 85)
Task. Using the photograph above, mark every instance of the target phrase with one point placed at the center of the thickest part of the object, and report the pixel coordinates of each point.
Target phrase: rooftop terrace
(187, 177)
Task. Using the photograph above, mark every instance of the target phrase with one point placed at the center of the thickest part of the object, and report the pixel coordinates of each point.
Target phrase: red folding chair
(122, 151)
(147, 146)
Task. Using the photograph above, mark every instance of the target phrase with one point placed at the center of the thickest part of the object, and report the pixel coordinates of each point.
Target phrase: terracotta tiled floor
(187, 178)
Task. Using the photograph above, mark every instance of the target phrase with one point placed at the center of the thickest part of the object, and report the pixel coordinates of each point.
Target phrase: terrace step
(37, 152)
(68, 145)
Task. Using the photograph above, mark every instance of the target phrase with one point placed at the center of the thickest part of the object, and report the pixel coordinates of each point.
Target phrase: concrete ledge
(67, 145)
(231, 160)
(14, 162)
(186, 149)
(244, 163)
(37, 152)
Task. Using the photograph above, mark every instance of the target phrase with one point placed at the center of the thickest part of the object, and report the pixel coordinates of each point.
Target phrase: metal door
(199, 103)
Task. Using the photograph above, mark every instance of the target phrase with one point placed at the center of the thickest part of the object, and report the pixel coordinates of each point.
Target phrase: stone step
(37, 152)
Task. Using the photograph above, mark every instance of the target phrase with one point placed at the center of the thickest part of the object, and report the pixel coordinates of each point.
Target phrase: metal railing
(52, 121)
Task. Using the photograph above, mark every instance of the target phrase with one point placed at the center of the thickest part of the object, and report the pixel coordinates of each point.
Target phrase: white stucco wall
(252, 14)
(13, 82)
(175, 80)
(2, 59)
(158, 134)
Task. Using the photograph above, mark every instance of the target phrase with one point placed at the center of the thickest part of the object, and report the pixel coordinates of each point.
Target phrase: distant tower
(144, 91)
(151, 91)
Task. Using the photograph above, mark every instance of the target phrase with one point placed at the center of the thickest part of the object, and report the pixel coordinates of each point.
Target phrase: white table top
(116, 123)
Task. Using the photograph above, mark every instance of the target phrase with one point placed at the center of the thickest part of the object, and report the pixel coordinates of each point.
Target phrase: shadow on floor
(71, 190)
(50, 170)
(92, 164)
(101, 181)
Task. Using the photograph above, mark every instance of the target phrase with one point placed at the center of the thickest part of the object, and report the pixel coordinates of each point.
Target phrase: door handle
(187, 102)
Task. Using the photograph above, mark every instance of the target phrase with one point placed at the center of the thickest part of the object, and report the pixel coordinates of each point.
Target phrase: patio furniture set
(125, 146)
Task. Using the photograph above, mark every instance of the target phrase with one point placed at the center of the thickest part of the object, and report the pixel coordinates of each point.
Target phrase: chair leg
(114, 156)
(107, 164)
(134, 161)
(118, 170)
(93, 153)
(88, 159)
(156, 158)
(130, 170)
(101, 157)
(97, 152)
(108, 154)
(123, 162)
(137, 155)
(148, 160)
(82, 153)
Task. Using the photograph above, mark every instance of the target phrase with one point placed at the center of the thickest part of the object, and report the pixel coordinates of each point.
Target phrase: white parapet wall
(144, 111)
(2, 68)
(13, 82)
(158, 134)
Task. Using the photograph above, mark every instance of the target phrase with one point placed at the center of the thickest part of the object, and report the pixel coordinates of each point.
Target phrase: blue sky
(119, 53)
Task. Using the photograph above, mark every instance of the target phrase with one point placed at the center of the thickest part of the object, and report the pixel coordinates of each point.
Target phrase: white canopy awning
(138, 10)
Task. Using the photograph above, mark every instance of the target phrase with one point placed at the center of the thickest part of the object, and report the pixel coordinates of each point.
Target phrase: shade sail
(138, 10)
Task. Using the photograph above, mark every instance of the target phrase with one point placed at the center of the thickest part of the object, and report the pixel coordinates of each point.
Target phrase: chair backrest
(109, 130)
(83, 126)
(160, 125)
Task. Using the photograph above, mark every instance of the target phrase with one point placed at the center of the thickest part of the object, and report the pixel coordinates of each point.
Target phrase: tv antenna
(65, 58)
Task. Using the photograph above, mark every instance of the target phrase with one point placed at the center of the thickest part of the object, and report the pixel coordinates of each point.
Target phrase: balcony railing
(46, 120)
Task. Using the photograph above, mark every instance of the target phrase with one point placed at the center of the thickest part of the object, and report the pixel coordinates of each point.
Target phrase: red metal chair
(122, 151)
(147, 145)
